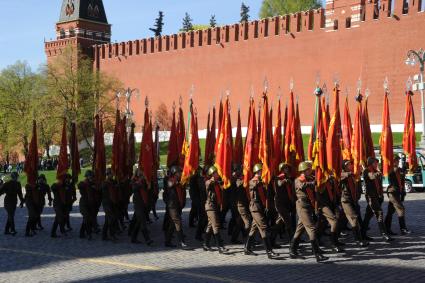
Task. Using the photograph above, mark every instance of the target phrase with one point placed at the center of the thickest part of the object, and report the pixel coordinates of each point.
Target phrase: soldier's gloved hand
(280, 182)
(239, 182)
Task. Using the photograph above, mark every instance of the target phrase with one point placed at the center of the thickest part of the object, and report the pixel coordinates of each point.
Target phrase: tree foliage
(244, 13)
(187, 23)
(213, 21)
(271, 8)
(159, 23)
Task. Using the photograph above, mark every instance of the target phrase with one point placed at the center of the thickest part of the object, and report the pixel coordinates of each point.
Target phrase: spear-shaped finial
(359, 86)
(279, 92)
(367, 92)
(252, 93)
(409, 84)
(146, 102)
(385, 85)
(180, 101)
(291, 84)
(266, 84)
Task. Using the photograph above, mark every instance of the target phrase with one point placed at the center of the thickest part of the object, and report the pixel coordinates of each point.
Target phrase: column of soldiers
(287, 206)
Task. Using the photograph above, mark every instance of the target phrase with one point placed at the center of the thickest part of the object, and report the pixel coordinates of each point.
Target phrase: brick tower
(82, 24)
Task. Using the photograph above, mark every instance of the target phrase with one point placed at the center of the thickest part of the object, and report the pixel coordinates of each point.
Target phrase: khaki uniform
(212, 205)
(241, 199)
(326, 198)
(256, 207)
(12, 190)
(140, 200)
(174, 197)
(349, 198)
(395, 193)
(374, 197)
(304, 190)
(284, 201)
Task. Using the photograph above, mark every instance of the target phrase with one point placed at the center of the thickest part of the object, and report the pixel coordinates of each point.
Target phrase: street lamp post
(128, 94)
(414, 57)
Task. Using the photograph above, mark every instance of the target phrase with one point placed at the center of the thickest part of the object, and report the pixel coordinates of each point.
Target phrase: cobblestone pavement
(71, 259)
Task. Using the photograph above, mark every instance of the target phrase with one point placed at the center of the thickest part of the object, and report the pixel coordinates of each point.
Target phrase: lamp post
(128, 94)
(414, 57)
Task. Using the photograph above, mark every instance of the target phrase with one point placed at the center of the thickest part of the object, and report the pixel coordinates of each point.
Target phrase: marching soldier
(374, 197)
(13, 190)
(257, 206)
(284, 200)
(194, 194)
(140, 200)
(44, 189)
(349, 201)
(304, 189)
(87, 204)
(240, 201)
(202, 219)
(326, 197)
(109, 203)
(71, 197)
(32, 199)
(212, 206)
(61, 191)
(174, 197)
(396, 194)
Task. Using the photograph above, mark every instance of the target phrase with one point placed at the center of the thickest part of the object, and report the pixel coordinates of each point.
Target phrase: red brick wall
(241, 55)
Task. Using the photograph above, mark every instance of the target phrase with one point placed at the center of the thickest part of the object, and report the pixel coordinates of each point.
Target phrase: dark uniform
(284, 202)
(240, 203)
(32, 202)
(70, 198)
(87, 207)
(374, 198)
(110, 198)
(175, 199)
(202, 218)
(44, 189)
(60, 207)
(396, 194)
(349, 201)
(140, 200)
(212, 207)
(12, 189)
(194, 194)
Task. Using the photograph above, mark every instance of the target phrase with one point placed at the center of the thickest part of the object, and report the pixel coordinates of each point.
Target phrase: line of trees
(269, 8)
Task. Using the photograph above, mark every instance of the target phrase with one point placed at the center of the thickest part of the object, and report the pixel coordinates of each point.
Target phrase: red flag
(207, 142)
(251, 146)
(220, 121)
(31, 160)
(299, 145)
(75, 155)
(63, 162)
(191, 162)
(325, 115)
(333, 143)
(116, 144)
(173, 145)
(285, 122)
(386, 140)
(409, 137)
(146, 161)
(277, 141)
(259, 124)
(367, 133)
(181, 132)
(123, 162)
(223, 160)
(319, 145)
(347, 132)
(212, 140)
(289, 131)
(265, 143)
(357, 144)
(238, 150)
(100, 160)
(131, 150)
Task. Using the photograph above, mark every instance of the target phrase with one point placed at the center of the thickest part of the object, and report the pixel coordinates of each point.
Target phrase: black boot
(54, 228)
(148, 239)
(316, 251)
(206, 245)
(365, 236)
(273, 237)
(293, 249)
(12, 228)
(387, 223)
(28, 232)
(83, 230)
(247, 249)
(403, 228)
(180, 236)
(358, 237)
(40, 227)
(220, 245)
(384, 233)
(335, 246)
(7, 228)
(268, 247)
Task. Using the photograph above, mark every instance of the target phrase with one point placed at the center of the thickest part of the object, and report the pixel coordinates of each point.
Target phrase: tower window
(71, 32)
(62, 34)
(348, 22)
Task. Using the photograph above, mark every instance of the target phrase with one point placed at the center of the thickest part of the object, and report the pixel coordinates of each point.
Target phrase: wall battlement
(335, 18)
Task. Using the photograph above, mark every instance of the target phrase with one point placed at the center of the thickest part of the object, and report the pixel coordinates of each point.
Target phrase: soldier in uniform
(194, 194)
(284, 201)
(44, 189)
(13, 190)
(175, 198)
(396, 194)
(87, 204)
(109, 203)
(140, 200)
(59, 190)
(349, 201)
(326, 198)
(240, 203)
(257, 207)
(304, 189)
(32, 199)
(212, 207)
(202, 219)
(71, 197)
(374, 197)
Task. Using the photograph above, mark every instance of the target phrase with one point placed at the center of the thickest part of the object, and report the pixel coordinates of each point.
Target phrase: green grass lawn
(51, 175)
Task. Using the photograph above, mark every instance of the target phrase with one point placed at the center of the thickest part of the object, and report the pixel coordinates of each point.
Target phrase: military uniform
(194, 194)
(240, 203)
(60, 207)
(12, 189)
(396, 194)
(87, 207)
(374, 198)
(32, 199)
(175, 199)
(140, 200)
(44, 189)
(110, 200)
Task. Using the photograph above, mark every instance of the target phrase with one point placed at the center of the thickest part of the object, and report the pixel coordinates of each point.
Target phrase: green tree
(78, 93)
(159, 23)
(244, 13)
(187, 23)
(271, 8)
(213, 21)
(19, 88)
